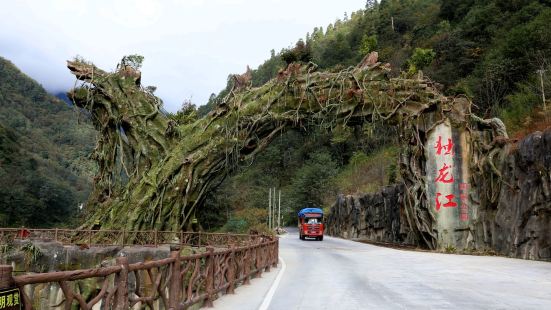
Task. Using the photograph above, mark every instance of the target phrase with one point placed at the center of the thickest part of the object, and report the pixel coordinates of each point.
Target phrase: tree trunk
(154, 172)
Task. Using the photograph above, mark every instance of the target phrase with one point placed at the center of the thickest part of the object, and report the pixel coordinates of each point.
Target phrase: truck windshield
(313, 221)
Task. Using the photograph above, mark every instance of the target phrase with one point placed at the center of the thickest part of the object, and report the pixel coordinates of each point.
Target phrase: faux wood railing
(177, 282)
(125, 237)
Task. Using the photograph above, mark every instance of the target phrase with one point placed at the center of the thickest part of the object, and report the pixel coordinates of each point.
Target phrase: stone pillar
(448, 153)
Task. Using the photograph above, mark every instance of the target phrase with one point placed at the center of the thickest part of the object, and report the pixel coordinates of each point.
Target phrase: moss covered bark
(155, 172)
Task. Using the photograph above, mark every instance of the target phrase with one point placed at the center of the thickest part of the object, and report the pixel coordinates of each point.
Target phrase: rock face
(53, 256)
(520, 225)
(49, 256)
(512, 218)
(376, 217)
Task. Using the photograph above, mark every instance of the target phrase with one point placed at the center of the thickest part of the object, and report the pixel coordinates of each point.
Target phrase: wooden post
(276, 252)
(6, 279)
(175, 292)
(55, 236)
(121, 297)
(123, 237)
(210, 277)
(246, 266)
(155, 237)
(258, 263)
(266, 257)
(231, 272)
(90, 238)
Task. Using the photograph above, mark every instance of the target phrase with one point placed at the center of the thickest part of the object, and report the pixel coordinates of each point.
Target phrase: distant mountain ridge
(45, 172)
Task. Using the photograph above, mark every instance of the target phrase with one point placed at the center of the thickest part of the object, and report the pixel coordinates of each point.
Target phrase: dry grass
(367, 174)
(538, 120)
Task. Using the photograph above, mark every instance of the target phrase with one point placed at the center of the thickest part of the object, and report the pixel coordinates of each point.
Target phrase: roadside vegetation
(496, 52)
(45, 169)
(490, 51)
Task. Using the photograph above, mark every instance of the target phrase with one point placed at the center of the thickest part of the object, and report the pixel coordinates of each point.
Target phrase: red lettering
(448, 148)
(449, 204)
(443, 175)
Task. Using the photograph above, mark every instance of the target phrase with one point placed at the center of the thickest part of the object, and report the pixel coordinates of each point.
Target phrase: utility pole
(270, 209)
(274, 209)
(541, 72)
(279, 211)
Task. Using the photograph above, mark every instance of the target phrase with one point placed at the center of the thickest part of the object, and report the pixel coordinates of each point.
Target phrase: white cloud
(190, 46)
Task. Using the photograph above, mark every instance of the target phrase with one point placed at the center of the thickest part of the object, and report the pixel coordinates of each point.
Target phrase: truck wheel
(301, 237)
(320, 238)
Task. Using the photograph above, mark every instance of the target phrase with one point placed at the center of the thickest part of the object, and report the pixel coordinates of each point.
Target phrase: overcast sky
(190, 46)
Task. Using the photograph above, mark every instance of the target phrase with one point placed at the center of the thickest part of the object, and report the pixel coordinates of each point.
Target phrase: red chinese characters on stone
(448, 148)
(464, 197)
(449, 204)
(444, 175)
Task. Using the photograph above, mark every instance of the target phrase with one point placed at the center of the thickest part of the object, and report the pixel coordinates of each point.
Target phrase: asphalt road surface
(342, 274)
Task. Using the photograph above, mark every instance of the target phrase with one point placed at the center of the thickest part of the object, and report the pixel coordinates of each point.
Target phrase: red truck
(310, 223)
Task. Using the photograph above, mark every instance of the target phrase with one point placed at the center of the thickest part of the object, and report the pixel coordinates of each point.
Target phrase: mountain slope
(488, 50)
(45, 172)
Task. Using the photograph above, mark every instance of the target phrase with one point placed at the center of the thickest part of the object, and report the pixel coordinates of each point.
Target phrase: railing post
(199, 236)
(175, 289)
(258, 262)
(155, 237)
(181, 238)
(121, 297)
(210, 277)
(90, 238)
(266, 258)
(231, 272)
(246, 265)
(123, 237)
(55, 236)
(6, 279)
(276, 252)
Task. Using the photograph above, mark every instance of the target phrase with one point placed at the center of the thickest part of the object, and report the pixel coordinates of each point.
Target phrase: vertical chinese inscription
(464, 197)
(447, 183)
(445, 173)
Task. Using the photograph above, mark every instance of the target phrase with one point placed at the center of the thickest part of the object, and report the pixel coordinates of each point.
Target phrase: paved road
(341, 274)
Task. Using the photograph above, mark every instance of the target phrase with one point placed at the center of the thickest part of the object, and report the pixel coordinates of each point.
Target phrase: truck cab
(310, 223)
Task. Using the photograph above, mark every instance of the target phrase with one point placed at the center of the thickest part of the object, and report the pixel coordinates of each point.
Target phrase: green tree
(368, 45)
(421, 58)
(312, 182)
(135, 61)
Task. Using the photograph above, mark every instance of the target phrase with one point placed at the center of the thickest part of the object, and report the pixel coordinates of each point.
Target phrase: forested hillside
(492, 51)
(496, 52)
(45, 172)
